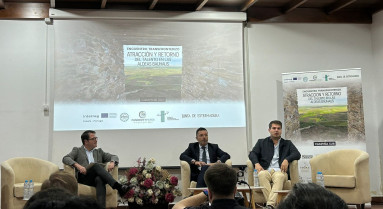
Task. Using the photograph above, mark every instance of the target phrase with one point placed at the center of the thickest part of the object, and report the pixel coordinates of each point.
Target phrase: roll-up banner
(323, 112)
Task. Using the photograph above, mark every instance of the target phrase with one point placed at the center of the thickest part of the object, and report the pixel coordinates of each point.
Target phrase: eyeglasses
(94, 138)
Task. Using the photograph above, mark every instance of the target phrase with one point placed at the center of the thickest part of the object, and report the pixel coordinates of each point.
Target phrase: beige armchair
(258, 195)
(85, 190)
(346, 173)
(15, 171)
(185, 178)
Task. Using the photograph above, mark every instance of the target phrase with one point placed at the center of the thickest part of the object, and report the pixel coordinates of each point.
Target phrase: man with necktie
(201, 154)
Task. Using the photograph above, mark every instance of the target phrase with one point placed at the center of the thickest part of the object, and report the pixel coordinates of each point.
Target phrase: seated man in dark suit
(200, 155)
(89, 163)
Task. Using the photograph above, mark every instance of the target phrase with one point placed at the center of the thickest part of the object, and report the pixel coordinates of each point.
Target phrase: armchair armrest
(69, 169)
(7, 182)
(185, 178)
(250, 171)
(362, 171)
(294, 173)
(229, 162)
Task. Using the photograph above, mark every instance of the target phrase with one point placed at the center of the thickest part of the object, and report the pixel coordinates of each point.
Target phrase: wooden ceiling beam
(306, 15)
(248, 4)
(103, 4)
(201, 4)
(153, 4)
(338, 6)
(377, 7)
(24, 10)
(293, 5)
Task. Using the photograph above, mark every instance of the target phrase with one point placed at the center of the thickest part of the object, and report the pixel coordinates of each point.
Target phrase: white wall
(282, 48)
(274, 49)
(377, 48)
(24, 128)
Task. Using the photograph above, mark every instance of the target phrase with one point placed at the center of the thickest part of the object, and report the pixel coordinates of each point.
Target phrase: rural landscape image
(153, 83)
(323, 122)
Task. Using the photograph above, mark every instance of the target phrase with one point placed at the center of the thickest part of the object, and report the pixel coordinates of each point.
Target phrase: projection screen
(145, 86)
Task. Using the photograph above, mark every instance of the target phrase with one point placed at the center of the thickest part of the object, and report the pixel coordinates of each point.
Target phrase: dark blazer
(78, 155)
(192, 152)
(263, 152)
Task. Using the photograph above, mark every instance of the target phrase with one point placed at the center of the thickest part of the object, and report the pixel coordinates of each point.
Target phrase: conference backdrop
(323, 112)
(145, 86)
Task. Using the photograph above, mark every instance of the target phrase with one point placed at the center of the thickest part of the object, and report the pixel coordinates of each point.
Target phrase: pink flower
(148, 183)
(174, 180)
(133, 171)
(169, 197)
(129, 194)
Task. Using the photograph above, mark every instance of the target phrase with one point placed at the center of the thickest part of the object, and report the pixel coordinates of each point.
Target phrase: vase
(148, 206)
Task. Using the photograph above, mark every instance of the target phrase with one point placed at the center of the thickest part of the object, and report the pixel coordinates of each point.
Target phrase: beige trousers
(271, 181)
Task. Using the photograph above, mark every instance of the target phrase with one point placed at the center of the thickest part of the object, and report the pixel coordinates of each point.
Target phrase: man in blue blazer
(201, 154)
(89, 163)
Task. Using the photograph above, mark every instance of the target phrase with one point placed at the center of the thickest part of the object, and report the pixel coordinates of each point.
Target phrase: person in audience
(201, 154)
(271, 157)
(89, 164)
(59, 198)
(221, 183)
(311, 196)
(63, 180)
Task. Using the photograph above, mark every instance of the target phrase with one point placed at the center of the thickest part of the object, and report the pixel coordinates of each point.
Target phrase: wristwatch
(192, 161)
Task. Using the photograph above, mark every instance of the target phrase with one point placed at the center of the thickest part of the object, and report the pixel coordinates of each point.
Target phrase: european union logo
(104, 115)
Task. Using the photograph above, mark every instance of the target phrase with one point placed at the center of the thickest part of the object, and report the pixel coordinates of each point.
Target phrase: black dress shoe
(123, 190)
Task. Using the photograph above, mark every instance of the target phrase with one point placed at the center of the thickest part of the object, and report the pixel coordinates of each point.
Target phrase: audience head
(85, 135)
(221, 180)
(59, 198)
(311, 196)
(61, 179)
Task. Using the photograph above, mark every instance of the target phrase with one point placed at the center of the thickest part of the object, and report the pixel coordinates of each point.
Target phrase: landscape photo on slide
(323, 113)
(153, 73)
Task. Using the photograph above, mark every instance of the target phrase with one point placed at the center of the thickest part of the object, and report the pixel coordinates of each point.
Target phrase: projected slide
(115, 74)
(153, 73)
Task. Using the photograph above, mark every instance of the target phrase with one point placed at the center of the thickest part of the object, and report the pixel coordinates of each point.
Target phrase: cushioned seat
(341, 181)
(18, 189)
(346, 173)
(15, 171)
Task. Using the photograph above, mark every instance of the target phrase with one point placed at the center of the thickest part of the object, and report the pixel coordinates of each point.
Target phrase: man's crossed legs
(98, 177)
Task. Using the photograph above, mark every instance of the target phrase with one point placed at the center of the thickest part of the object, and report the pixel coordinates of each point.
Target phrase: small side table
(281, 195)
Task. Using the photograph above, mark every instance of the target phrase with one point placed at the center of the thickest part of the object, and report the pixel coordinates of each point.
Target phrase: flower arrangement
(149, 184)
